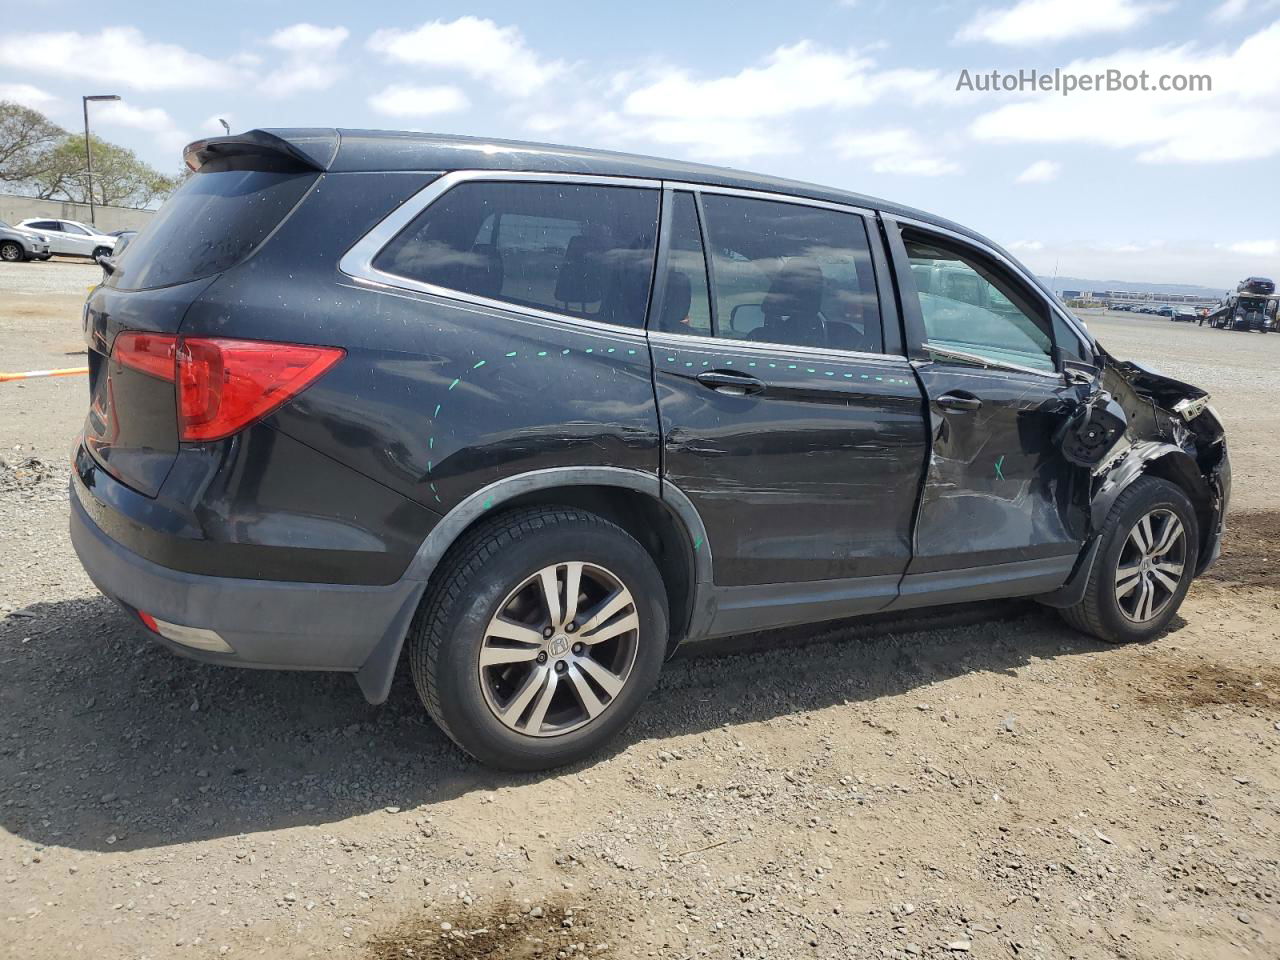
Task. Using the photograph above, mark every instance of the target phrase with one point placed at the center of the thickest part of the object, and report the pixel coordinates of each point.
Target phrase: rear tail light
(224, 385)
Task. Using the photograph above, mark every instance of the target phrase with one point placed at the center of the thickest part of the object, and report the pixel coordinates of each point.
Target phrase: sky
(866, 95)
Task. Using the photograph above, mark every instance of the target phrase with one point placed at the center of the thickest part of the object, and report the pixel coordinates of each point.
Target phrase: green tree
(27, 137)
(119, 177)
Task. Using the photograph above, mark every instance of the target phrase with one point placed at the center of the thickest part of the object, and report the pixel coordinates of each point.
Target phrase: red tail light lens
(152, 353)
(224, 385)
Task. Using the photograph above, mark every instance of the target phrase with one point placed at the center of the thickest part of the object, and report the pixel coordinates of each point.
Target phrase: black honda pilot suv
(542, 414)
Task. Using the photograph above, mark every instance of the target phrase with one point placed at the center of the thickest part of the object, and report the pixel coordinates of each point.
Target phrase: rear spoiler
(311, 153)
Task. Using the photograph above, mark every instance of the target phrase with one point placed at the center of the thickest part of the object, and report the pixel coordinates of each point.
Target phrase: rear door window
(211, 223)
(792, 274)
(581, 250)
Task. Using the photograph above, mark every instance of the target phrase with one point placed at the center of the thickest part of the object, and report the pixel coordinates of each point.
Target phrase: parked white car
(72, 238)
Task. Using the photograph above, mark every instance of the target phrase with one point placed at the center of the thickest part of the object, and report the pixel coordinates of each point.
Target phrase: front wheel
(11, 252)
(1144, 566)
(542, 639)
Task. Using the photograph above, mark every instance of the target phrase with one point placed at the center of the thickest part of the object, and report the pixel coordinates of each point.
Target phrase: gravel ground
(979, 782)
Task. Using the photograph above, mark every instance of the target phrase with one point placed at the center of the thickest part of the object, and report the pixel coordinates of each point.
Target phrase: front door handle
(959, 401)
(731, 383)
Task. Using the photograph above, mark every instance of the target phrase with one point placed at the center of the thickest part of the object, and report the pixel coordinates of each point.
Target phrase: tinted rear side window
(210, 224)
(575, 249)
(792, 274)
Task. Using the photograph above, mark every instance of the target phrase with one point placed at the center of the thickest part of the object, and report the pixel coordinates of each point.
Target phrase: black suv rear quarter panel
(435, 398)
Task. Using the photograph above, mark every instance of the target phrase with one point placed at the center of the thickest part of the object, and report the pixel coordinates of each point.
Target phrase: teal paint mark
(810, 370)
(542, 353)
(671, 359)
(437, 413)
(791, 366)
(751, 363)
(1000, 468)
(438, 500)
(829, 373)
(590, 350)
(773, 366)
(431, 443)
(511, 354)
(706, 363)
(688, 363)
(478, 365)
(848, 376)
(455, 383)
(631, 352)
(487, 503)
(865, 377)
(564, 353)
(697, 542)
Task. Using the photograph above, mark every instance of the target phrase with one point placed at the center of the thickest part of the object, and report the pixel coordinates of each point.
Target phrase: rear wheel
(11, 251)
(543, 639)
(1144, 566)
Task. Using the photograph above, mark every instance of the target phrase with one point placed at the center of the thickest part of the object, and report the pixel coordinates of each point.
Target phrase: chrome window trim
(697, 341)
(767, 195)
(991, 251)
(357, 262)
(986, 363)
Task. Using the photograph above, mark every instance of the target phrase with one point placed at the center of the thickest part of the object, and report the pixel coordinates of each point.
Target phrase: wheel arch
(657, 513)
(1168, 462)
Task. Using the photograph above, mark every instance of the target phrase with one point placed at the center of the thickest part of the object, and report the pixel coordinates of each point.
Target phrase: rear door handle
(731, 383)
(958, 401)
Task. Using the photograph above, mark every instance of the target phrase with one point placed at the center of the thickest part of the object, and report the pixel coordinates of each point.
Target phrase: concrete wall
(13, 209)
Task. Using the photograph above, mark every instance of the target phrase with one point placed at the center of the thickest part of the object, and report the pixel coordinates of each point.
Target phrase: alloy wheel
(560, 649)
(1151, 565)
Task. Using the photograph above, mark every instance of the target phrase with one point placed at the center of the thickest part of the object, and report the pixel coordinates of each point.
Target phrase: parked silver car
(73, 238)
(18, 244)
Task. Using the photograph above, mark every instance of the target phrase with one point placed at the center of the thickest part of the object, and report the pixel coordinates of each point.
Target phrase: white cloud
(1229, 10)
(301, 77)
(168, 136)
(1042, 171)
(1032, 22)
(311, 64)
(1215, 265)
(404, 101)
(477, 47)
(1238, 119)
(802, 76)
(115, 56)
(27, 95)
(896, 150)
(1256, 248)
(743, 115)
(308, 38)
(1025, 246)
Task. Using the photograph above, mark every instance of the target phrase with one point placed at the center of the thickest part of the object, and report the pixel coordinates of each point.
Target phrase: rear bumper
(270, 624)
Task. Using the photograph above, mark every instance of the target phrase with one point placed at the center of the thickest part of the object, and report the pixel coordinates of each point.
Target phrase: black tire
(1099, 613)
(101, 252)
(11, 252)
(478, 576)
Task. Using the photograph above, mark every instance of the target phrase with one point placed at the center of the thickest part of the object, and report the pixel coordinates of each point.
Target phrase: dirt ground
(979, 782)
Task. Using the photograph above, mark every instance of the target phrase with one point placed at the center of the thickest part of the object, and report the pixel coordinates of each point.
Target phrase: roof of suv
(342, 150)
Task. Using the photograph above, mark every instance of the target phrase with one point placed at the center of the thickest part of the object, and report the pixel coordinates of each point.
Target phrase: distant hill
(1124, 286)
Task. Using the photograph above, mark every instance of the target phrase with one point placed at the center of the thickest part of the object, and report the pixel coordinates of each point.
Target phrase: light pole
(88, 153)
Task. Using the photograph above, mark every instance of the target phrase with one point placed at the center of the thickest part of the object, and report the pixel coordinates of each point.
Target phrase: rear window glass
(210, 224)
(575, 249)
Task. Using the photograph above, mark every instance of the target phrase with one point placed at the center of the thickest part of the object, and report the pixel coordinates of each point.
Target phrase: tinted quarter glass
(792, 274)
(969, 306)
(210, 224)
(576, 249)
(686, 305)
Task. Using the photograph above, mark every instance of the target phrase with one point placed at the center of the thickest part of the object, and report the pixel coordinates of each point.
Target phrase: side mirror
(107, 264)
(121, 243)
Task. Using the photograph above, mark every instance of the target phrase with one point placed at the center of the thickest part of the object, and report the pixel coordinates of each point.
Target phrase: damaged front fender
(1136, 422)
